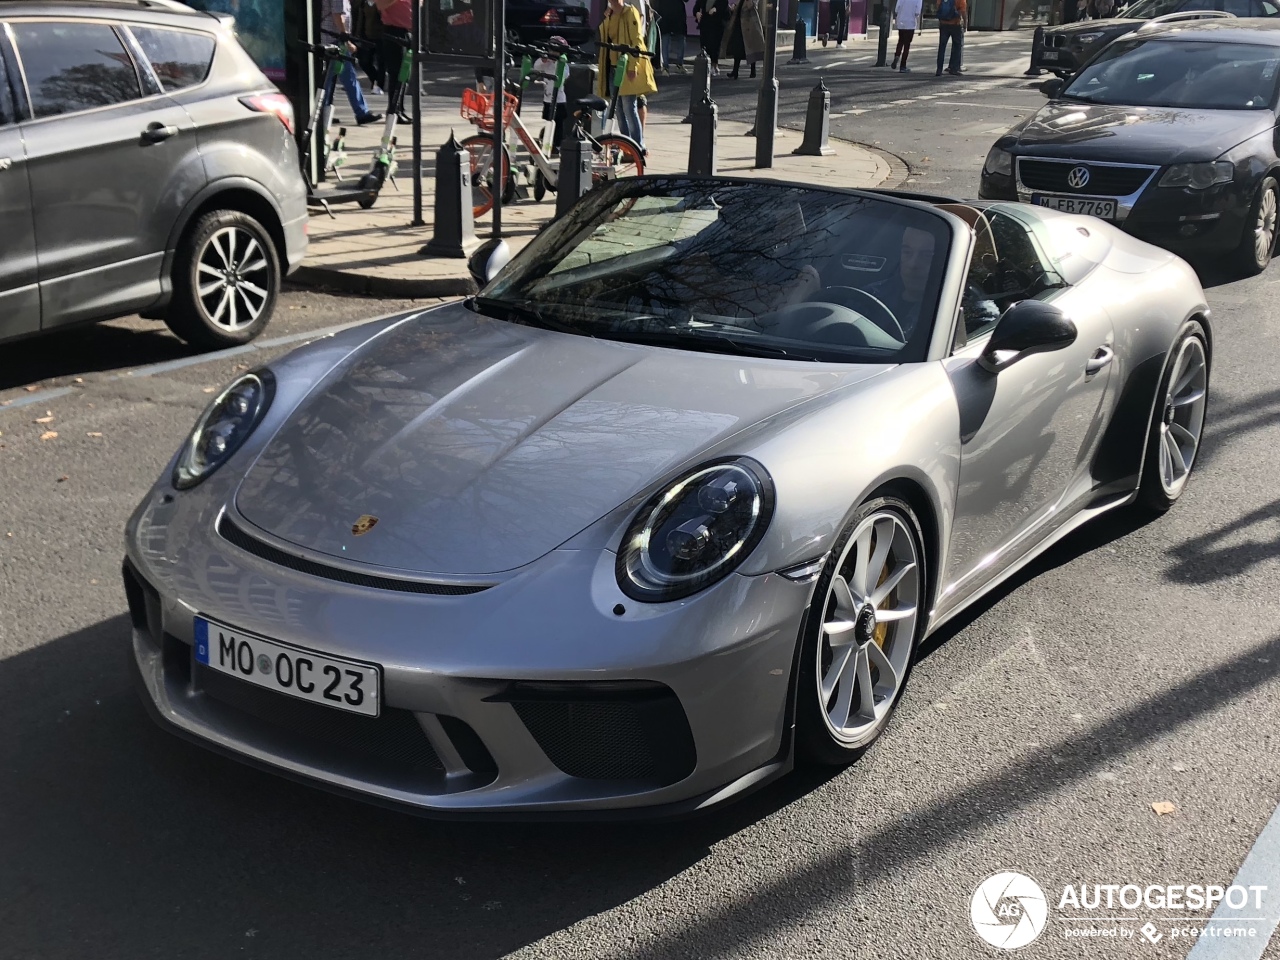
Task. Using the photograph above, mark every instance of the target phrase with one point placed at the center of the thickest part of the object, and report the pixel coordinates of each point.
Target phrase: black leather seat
(590, 103)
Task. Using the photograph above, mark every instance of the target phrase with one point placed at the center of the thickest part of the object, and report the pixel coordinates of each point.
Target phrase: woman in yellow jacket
(621, 25)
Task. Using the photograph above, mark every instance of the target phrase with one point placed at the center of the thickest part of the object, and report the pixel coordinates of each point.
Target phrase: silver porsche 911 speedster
(668, 507)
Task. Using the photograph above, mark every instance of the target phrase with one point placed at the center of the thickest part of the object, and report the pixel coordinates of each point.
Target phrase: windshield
(1150, 9)
(1197, 74)
(756, 269)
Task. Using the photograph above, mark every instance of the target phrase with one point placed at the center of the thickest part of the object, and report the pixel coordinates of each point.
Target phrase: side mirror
(1027, 327)
(1052, 87)
(490, 257)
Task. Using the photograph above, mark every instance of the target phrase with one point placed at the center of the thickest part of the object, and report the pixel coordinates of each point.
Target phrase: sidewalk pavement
(375, 251)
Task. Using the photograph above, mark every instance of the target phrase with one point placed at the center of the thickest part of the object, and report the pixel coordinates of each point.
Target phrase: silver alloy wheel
(231, 260)
(1264, 230)
(868, 624)
(1182, 421)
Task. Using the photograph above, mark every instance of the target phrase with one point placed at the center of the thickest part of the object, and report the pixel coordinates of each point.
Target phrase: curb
(347, 281)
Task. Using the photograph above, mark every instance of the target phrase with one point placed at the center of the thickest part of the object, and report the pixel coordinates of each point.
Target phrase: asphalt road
(1136, 663)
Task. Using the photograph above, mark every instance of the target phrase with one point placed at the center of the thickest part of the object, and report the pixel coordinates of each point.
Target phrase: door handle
(158, 133)
(1101, 357)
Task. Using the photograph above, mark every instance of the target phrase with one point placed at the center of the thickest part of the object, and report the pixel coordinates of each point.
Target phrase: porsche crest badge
(364, 525)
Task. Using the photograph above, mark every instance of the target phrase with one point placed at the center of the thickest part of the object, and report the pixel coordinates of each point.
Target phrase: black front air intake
(624, 730)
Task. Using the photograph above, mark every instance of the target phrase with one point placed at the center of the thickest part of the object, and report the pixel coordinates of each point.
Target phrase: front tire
(1259, 239)
(226, 278)
(1177, 422)
(861, 633)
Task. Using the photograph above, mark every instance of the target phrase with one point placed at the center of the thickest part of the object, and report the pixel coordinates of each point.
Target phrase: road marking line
(1260, 868)
(35, 398)
(997, 106)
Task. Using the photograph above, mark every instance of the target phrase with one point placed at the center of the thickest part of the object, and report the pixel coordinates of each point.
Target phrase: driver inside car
(902, 293)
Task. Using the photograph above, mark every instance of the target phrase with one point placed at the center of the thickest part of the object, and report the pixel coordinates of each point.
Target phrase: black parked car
(1171, 134)
(1066, 47)
(536, 21)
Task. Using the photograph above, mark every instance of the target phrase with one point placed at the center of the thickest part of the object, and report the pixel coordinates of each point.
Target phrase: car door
(105, 155)
(1027, 432)
(19, 291)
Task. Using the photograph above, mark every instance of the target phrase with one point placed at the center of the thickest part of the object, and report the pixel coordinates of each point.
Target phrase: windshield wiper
(517, 311)
(713, 343)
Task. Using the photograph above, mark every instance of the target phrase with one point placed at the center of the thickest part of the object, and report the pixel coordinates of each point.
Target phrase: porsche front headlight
(696, 531)
(223, 427)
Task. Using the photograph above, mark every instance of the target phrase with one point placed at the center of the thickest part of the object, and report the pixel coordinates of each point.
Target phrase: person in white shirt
(907, 16)
(558, 110)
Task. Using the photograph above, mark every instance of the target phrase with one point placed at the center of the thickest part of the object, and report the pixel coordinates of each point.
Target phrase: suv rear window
(74, 66)
(181, 59)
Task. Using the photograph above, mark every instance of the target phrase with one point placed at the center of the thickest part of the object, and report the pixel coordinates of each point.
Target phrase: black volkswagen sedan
(1170, 134)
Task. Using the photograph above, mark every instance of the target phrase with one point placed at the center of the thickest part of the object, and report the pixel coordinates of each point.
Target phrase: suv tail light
(275, 103)
(551, 18)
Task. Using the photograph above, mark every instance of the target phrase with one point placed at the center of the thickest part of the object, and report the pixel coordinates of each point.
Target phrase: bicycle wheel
(482, 172)
(616, 157)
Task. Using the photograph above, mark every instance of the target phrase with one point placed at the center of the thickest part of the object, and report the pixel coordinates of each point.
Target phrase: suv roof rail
(1188, 15)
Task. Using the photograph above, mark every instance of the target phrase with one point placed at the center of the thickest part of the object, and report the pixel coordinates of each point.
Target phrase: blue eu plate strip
(202, 640)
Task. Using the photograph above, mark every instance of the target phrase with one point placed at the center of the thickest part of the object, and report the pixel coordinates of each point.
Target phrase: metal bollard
(575, 171)
(800, 53)
(454, 230)
(1037, 44)
(817, 124)
(882, 41)
(701, 87)
(702, 139)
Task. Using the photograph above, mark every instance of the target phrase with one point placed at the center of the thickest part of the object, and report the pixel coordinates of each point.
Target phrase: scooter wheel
(369, 187)
(539, 187)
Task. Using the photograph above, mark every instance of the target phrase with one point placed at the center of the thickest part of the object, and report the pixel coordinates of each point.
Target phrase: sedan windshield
(757, 269)
(1195, 74)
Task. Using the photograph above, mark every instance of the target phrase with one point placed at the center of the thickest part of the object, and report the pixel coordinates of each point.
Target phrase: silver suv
(146, 166)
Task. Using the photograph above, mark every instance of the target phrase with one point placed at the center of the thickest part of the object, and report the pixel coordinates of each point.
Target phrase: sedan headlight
(223, 427)
(999, 162)
(696, 531)
(1198, 176)
(1084, 39)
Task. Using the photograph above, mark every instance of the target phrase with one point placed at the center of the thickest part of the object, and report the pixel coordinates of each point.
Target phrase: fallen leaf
(1161, 807)
(31, 389)
(49, 435)
(44, 420)
(63, 478)
(94, 582)
(208, 389)
(93, 434)
(79, 380)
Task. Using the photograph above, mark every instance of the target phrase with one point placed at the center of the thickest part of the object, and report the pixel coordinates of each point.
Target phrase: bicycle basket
(478, 108)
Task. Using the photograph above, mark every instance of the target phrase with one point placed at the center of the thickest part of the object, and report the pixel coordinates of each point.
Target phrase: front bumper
(527, 699)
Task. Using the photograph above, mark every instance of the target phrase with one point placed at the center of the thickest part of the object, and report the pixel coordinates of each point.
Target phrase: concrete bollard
(701, 86)
(575, 171)
(702, 139)
(454, 231)
(1037, 44)
(800, 52)
(817, 124)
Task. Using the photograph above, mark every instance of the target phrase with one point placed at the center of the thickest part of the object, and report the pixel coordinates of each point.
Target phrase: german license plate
(1050, 55)
(573, 19)
(1091, 206)
(292, 671)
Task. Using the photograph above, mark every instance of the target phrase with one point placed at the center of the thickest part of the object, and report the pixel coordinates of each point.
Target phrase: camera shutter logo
(1008, 910)
(1078, 178)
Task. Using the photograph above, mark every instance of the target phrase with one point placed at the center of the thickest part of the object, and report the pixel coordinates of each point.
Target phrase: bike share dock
(375, 251)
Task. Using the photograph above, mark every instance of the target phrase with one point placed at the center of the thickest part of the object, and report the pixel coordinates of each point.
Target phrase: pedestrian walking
(951, 18)
(743, 37)
(554, 102)
(907, 17)
(621, 26)
(1101, 9)
(1070, 11)
(367, 25)
(335, 25)
(397, 21)
(712, 16)
(673, 17)
(838, 29)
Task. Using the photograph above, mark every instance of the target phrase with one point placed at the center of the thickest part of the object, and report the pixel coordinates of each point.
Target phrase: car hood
(480, 445)
(1111, 27)
(1156, 135)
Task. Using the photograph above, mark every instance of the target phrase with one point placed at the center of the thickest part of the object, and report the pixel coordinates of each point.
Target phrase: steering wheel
(867, 305)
